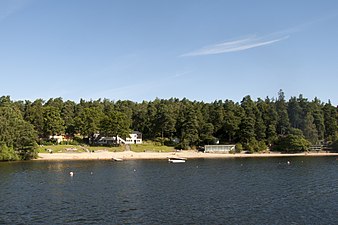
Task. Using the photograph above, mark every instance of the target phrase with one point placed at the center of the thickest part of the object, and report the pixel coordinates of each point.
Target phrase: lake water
(210, 191)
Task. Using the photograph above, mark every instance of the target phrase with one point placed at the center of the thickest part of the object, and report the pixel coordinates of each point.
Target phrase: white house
(57, 138)
(134, 138)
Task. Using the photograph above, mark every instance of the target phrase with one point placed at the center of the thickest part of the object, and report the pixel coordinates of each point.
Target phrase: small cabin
(134, 138)
(107, 141)
(225, 149)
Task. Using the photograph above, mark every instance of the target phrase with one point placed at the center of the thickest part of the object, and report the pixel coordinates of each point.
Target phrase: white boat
(176, 160)
(118, 159)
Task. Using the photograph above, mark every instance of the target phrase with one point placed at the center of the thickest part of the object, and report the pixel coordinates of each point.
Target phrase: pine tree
(283, 123)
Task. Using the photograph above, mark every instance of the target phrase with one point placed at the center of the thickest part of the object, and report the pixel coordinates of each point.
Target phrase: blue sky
(139, 50)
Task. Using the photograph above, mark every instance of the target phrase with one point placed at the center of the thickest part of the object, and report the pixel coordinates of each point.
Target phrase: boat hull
(176, 160)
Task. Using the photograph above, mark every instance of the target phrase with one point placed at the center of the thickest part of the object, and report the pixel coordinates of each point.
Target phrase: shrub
(262, 146)
(238, 148)
(8, 154)
(255, 146)
(292, 144)
(71, 142)
(334, 146)
(232, 151)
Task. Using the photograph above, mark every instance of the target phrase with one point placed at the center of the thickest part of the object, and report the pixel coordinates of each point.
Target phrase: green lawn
(145, 147)
(151, 147)
(63, 148)
(106, 148)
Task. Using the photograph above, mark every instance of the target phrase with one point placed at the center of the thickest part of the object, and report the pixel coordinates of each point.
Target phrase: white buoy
(289, 163)
(71, 173)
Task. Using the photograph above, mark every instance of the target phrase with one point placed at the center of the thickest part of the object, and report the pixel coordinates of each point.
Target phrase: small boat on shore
(176, 160)
(117, 159)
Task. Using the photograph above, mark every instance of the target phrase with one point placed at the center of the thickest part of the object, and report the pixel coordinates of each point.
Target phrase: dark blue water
(222, 191)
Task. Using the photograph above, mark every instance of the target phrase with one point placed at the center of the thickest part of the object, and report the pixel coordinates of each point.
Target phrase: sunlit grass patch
(151, 147)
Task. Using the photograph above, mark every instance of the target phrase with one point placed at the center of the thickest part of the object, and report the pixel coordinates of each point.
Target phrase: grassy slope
(145, 147)
(151, 147)
(62, 148)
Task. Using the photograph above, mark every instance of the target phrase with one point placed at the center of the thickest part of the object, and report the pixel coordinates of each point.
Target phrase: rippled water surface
(222, 191)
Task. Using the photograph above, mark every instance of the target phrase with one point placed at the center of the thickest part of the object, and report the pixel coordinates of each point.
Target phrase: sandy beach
(129, 155)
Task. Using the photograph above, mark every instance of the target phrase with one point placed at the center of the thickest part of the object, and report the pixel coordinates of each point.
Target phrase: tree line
(254, 125)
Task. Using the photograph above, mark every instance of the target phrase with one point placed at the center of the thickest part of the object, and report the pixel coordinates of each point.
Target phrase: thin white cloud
(10, 7)
(235, 46)
(254, 42)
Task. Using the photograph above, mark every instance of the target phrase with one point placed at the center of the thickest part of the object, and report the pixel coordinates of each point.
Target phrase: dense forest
(289, 126)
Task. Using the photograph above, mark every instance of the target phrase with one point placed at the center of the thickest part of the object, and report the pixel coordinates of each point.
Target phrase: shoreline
(189, 154)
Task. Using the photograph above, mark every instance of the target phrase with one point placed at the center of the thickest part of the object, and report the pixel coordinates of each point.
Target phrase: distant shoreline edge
(129, 155)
